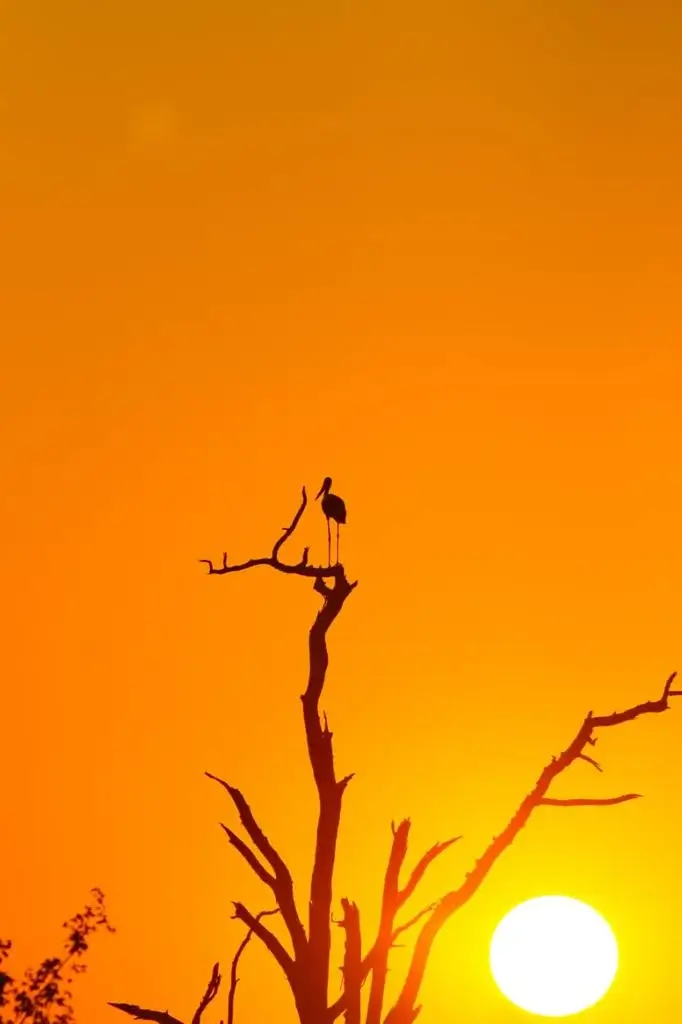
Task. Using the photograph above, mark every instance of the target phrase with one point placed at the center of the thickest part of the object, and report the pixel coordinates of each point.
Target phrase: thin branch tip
(606, 801)
(591, 760)
(234, 978)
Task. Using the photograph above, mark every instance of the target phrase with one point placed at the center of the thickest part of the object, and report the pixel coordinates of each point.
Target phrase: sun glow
(553, 956)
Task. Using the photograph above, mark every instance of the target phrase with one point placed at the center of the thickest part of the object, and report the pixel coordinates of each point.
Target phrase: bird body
(334, 508)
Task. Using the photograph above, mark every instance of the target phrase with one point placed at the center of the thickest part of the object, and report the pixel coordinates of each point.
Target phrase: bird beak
(319, 492)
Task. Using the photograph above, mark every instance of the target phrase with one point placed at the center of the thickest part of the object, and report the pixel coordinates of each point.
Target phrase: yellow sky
(433, 250)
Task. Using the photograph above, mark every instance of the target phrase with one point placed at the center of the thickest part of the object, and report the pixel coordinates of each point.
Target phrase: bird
(333, 508)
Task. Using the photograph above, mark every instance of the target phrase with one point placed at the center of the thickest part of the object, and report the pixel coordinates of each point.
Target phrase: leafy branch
(44, 994)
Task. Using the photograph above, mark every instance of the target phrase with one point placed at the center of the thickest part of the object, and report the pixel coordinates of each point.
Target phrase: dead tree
(306, 963)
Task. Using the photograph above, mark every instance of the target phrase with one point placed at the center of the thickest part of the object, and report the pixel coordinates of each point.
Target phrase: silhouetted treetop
(305, 956)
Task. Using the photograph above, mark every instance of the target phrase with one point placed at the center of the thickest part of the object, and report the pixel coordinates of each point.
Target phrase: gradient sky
(432, 249)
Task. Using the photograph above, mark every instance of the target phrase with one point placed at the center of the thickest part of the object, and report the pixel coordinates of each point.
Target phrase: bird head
(324, 489)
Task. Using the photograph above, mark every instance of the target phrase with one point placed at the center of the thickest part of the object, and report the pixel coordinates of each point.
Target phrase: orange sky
(432, 249)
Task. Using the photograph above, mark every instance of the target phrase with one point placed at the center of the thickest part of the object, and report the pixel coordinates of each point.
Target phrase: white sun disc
(553, 956)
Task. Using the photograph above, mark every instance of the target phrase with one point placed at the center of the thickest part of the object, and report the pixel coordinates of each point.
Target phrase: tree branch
(234, 980)
(210, 993)
(406, 1009)
(411, 922)
(282, 884)
(139, 1013)
(422, 866)
(392, 900)
(300, 568)
(605, 801)
(250, 857)
(163, 1016)
(330, 791)
(270, 941)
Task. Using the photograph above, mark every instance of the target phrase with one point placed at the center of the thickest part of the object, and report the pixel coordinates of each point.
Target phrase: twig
(590, 760)
(411, 922)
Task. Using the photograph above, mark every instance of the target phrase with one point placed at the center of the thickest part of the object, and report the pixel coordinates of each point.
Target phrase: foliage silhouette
(306, 961)
(43, 995)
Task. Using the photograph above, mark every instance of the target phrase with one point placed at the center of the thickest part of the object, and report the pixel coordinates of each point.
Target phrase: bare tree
(306, 962)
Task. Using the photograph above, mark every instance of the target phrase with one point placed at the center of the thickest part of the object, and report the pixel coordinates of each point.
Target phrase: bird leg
(337, 543)
(329, 543)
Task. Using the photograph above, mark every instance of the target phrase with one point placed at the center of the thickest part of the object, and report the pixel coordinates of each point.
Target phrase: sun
(553, 956)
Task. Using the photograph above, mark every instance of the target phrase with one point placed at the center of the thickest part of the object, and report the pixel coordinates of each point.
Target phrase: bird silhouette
(333, 508)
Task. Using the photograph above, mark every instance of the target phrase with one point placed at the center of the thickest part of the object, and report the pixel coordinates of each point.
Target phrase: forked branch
(300, 568)
(280, 880)
(393, 899)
